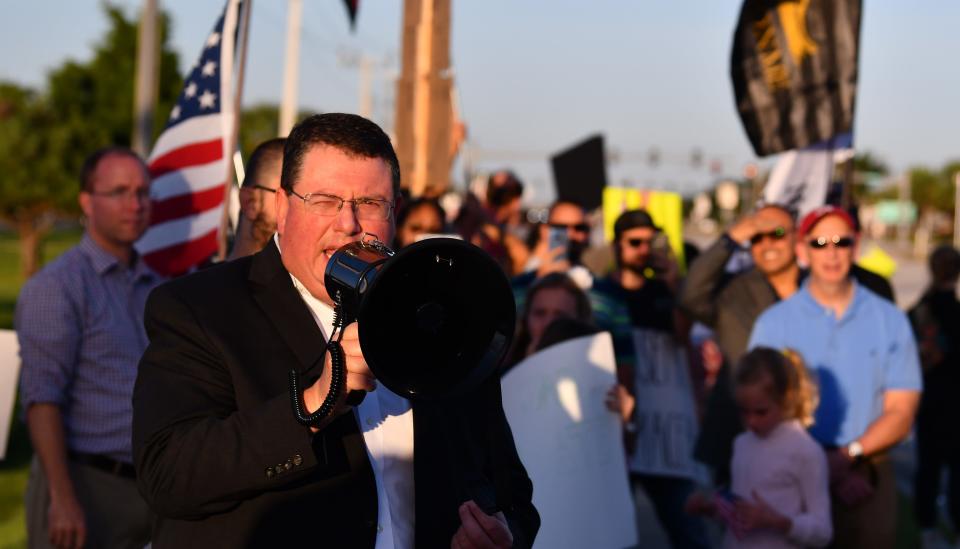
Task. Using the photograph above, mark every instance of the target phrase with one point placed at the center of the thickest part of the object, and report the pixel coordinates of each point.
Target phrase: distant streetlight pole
(291, 68)
(956, 210)
(145, 99)
(903, 227)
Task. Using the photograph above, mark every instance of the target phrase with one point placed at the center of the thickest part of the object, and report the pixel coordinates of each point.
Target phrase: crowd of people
(168, 420)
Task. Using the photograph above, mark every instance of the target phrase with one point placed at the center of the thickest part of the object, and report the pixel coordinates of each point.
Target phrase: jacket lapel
(273, 290)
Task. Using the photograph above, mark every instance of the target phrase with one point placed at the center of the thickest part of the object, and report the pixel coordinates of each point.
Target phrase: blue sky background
(534, 77)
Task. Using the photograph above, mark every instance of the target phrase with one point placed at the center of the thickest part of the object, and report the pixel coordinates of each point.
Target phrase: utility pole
(366, 65)
(424, 110)
(291, 68)
(145, 96)
(366, 87)
(903, 199)
(956, 210)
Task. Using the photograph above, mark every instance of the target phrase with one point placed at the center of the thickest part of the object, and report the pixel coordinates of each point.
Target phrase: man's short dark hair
(93, 160)
(352, 134)
(263, 156)
(944, 264)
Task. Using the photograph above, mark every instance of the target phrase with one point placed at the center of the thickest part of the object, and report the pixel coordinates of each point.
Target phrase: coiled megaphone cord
(337, 376)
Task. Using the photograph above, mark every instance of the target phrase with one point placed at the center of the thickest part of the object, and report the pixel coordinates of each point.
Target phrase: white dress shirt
(387, 423)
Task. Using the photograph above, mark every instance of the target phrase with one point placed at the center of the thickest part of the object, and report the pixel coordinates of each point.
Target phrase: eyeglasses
(578, 227)
(637, 242)
(120, 193)
(822, 242)
(262, 188)
(775, 234)
(373, 209)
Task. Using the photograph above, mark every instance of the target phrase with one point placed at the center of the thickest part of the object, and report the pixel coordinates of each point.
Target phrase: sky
(533, 78)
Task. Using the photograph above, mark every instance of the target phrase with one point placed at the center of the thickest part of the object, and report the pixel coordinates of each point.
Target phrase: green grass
(14, 468)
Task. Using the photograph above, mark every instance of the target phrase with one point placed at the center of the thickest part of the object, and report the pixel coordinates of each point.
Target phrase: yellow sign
(664, 207)
(878, 261)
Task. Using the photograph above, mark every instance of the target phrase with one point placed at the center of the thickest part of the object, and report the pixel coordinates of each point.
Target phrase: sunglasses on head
(775, 234)
(838, 242)
(579, 227)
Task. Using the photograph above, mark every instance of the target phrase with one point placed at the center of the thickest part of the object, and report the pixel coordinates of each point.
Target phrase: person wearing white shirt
(779, 495)
(221, 449)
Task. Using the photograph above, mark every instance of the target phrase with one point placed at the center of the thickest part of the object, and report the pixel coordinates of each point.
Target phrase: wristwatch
(855, 450)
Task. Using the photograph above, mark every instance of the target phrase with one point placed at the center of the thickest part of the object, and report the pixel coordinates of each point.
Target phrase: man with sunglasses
(566, 224)
(730, 304)
(220, 453)
(258, 213)
(862, 350)
(636, 303)
(80, 326)
(570, 221)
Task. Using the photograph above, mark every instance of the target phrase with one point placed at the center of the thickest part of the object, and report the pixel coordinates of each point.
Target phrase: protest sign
(571, 444)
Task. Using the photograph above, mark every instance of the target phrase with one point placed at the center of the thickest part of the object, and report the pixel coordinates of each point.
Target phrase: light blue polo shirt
(856, 357)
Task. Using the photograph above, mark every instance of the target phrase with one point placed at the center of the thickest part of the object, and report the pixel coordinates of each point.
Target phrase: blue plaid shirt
(80, 326)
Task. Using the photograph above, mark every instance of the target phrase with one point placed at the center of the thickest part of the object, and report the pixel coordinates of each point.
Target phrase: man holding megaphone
(223, 457)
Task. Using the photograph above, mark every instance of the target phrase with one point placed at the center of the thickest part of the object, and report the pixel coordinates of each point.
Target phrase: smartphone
(557, 238)
(660, 244)
(659, 251)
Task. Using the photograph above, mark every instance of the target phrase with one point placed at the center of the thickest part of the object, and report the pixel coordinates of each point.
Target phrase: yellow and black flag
(794, 70)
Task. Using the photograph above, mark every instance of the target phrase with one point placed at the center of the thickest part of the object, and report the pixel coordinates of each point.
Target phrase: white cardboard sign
(571, 445)
(9, 376)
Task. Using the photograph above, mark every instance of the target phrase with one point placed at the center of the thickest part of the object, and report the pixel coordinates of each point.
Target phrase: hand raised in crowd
(480, 530)
(550, 260)
(357, 373)
(67, 527)
(621, 402)
(665, 266)
(743, 229)
(759, 515)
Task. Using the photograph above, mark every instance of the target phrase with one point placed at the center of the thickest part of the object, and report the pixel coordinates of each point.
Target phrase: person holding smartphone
(636, 303)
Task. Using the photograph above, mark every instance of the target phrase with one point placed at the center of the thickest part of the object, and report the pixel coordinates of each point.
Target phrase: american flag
(725, 503)
(190, 162)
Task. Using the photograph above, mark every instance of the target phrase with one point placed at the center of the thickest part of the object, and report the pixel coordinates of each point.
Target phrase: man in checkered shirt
(80, 326)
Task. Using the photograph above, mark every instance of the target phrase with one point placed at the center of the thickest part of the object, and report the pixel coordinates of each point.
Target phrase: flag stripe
(182, 257)
(193, 154)
(188, 180)
(187, 204)
(171, 232)
(199, 128)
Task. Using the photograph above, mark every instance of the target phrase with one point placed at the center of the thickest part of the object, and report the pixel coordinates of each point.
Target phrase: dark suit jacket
(223, 462)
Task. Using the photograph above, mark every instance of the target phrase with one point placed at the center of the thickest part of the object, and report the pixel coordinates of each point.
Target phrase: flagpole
(241, 64)
(291, 68)
(148, 64)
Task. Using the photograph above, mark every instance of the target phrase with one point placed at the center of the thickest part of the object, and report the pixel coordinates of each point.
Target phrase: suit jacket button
(288, 465)
(270, 472)
(297, 460)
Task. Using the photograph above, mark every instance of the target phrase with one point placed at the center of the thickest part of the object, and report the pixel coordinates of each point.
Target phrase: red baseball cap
(816, 215)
